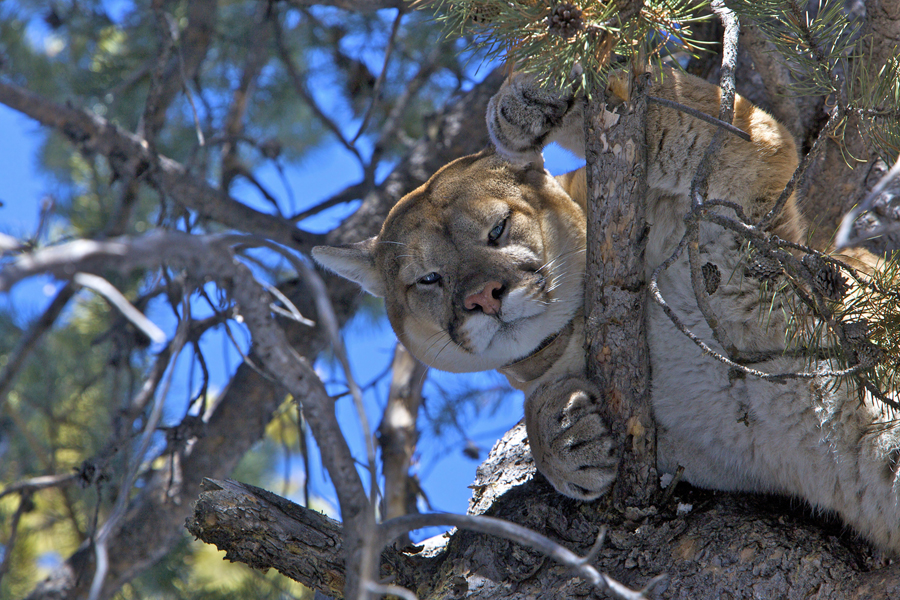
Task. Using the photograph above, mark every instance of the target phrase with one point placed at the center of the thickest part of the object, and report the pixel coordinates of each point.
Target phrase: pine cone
(484, 13)
(827, 278)
(867, 353)
(712, 277)
(565, 20)
(764, 268)
(856, 331)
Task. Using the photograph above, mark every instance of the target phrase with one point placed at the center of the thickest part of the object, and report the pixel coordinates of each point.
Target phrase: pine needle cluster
(821, 46)
(550, 37)
(848, 318)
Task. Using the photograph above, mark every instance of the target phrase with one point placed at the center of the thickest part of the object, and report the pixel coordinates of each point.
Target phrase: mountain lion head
(477, 267)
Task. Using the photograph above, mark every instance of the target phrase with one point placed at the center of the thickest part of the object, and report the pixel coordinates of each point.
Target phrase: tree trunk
(615, 288)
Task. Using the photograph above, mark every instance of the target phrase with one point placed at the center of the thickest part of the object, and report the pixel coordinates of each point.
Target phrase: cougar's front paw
(522, 115)
(570, 441)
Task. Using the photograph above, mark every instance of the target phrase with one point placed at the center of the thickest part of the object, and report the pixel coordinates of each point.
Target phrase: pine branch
(550, 38)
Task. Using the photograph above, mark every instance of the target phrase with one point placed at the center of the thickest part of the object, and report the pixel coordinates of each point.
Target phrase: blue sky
(444, 470)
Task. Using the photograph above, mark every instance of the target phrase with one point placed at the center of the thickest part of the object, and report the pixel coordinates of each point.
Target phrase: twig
(95, 134)
(391, 590)
(701, 176)
(699, 114)
(824, 134)
(209, 256)
(120, 302)
(393, 528)
(292, 311)
(25, 504)
(30, 338)
(845, 235)
(130, 475)
(726, 105)
(376, 89)
(426, 69)
(306, 96)
(348, 194)
(657, 297)
(156, 102)
(36, 484)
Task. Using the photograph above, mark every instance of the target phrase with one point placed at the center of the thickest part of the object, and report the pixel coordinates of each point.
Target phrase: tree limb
(717, 544)
(264, 531)
(154, 522)
(95, 134)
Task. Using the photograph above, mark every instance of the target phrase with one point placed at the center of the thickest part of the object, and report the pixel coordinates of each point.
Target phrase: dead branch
(205, 257)
(397, 433)
(239, 416)
(266, 531)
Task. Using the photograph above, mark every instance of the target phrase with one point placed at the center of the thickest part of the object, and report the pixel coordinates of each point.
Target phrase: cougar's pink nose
(488, 299)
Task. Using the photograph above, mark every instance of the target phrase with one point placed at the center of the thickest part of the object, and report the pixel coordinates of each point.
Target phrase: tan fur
(481, 268)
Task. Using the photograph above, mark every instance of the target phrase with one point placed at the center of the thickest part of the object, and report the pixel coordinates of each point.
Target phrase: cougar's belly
(728, 430)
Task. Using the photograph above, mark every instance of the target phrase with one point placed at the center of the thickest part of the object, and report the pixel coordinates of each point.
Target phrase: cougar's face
(481, 264)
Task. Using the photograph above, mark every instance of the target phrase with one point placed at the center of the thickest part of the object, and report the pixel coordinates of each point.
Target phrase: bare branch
(847, 235)
(800, 172)
(317, 542)
(699, 184)
(376, 89)
(94, 133)
(398, 433)
(389, 127)
(209, 256)
(25, 505)
(237, 419)
(304, 93)
(240, 100)
(113, 522)
(36, 484)
(700, 115)
(128, 310)
(511, 531)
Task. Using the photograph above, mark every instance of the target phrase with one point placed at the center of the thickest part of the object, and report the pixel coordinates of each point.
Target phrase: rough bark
(262, 530)
(710, 545)
(615, 289)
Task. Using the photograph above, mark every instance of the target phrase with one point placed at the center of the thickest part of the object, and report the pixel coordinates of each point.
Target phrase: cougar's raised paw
(570, 442)
(522, 115)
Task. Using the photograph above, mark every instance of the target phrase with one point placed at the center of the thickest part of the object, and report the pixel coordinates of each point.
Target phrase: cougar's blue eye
(429, 279)
(495, 233)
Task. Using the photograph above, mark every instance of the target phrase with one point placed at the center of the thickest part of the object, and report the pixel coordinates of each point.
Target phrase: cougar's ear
(355, 262)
